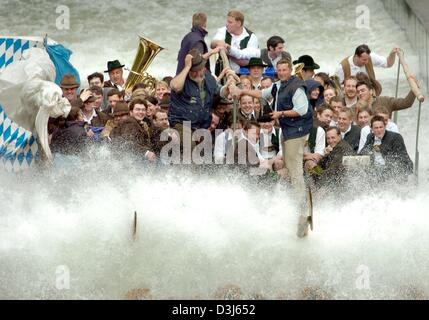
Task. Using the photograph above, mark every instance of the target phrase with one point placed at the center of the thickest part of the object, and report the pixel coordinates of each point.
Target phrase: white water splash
(196, 234)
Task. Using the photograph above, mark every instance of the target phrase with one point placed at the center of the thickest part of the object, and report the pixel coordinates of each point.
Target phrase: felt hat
(69, 82)
(198, 62)
(256, 62)
(112, 65)
(121, 108)
(308, 62)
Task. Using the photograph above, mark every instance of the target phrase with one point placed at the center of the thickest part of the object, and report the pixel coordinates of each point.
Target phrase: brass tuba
(297, 70)
(146, 52)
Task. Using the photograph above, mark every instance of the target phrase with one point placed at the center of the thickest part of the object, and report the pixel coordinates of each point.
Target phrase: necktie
(274, 95)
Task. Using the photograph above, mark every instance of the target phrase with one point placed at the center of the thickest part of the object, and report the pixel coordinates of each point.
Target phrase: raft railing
(416, 26)
(412, 16)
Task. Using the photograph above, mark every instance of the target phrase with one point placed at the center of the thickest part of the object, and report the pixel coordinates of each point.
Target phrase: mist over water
(197, 232)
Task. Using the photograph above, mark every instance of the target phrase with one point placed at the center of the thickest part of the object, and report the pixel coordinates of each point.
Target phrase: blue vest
(298, 126)
(187, 105)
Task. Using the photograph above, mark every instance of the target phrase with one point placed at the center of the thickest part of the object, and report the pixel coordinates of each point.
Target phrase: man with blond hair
(195, 40)
(349, 131)
(240, 43)
(350, 91)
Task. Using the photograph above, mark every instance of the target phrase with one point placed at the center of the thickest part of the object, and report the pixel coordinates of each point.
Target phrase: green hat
(256, 62)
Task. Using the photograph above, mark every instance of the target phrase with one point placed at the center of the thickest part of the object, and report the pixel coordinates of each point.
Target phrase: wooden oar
(410, 77)
(135, 226)
(310, 206)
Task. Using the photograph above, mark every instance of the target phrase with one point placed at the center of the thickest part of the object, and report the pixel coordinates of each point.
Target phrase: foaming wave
(196, 234)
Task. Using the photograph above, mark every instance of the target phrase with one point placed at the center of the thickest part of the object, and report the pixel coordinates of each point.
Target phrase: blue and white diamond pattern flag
(18, 147)
(12, 48)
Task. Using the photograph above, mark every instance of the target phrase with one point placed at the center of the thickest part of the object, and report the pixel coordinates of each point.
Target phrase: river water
(67, 232)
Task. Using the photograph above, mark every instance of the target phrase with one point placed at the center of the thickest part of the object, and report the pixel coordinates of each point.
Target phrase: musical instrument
(146, 52)
(297, 70)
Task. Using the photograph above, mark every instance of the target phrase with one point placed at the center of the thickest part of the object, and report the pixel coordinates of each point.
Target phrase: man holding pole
(296, 120)
(415, 89)
(192, 95)
(365, 61)
(366, 93)
(240, 43)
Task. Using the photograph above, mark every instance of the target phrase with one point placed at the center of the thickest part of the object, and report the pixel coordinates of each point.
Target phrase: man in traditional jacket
(366, 92)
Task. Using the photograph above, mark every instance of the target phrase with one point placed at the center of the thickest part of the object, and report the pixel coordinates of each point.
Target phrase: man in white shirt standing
(365, 61)
(240, 43)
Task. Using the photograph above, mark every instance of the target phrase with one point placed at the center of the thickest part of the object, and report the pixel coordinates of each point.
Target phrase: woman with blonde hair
(161, 88)
(246, 82)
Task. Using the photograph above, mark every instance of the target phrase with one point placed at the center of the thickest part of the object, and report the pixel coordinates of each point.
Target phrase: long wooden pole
(410, 77)
(225, 62)
(416, 90)
(395, 114)
(417, 157)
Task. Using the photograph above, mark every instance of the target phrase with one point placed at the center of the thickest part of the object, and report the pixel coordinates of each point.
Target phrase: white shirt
(344, 133)
(88, 120)
(268, 97)
(265, 141)
(258, 86)
(378, 157)
(119, 87)
(255, 146)
(221, 140)
(391, 126)
(251, 51)
(299, 99)
(320, 142)
(351, 103)
(275, 60)
(377, 61)
(248, 116)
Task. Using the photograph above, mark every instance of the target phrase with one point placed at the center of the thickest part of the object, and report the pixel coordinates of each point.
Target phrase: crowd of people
(260, 109)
